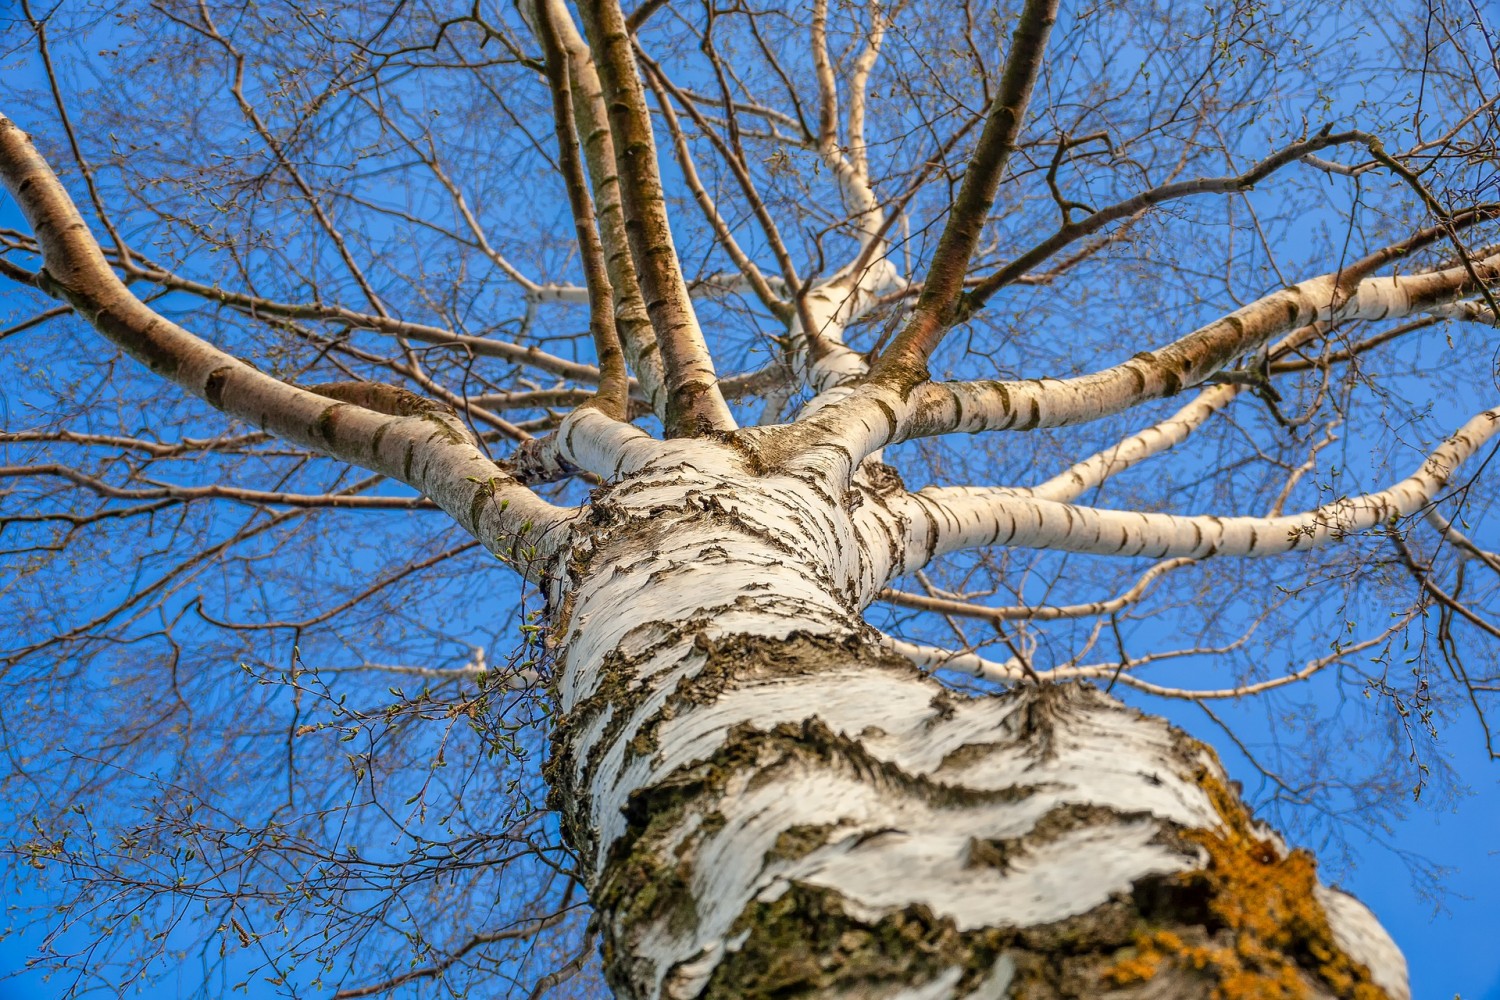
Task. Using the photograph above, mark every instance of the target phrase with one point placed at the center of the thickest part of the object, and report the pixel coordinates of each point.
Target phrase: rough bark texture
(769, 804)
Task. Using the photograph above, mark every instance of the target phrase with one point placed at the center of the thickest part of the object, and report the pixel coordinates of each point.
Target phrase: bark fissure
(767, 802)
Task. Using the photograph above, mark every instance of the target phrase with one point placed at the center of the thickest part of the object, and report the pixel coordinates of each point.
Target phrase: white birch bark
(878, 414)
(381, 428)
(768, 803)
(767, 798)
(637, 336)
(917, 527)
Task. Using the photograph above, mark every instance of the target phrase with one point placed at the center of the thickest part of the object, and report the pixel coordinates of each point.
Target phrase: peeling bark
(768, 803)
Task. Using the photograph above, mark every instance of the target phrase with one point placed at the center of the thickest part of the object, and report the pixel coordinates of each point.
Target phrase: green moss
(804, 942)
(799, 841)
(648, 888)
(807, 943)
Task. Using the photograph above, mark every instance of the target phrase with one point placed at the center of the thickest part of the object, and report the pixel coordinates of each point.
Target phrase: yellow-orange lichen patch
(1138, 968)
(1268, 937)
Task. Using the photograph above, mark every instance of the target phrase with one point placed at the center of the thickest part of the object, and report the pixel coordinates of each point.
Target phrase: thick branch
(426, 448)
(631, 318)
(1187, 362)
(694, 403)
(1084, 475)
(938, 521)
(613, 395)
(876, 415)
(905, 362)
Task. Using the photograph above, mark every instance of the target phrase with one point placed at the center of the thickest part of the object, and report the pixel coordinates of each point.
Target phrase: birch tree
(546, 498)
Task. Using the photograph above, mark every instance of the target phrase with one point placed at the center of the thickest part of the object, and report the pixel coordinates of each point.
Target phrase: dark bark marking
(1004, 394)
(1033, 414)
(1002, 853)
(326, 423)
(379, 436)
(213, 386)
(483, 494)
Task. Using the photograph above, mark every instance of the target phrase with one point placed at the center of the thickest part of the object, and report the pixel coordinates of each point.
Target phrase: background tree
(719, 327)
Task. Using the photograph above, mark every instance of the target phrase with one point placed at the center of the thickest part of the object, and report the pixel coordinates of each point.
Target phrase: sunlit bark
(940, 520)
(767, 800)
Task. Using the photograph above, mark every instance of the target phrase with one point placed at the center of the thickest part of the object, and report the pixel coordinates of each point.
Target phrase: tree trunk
(767, 802)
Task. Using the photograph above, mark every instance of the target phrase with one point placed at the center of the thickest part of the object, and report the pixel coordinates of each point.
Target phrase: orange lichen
(1137, 969)
(1271, 936)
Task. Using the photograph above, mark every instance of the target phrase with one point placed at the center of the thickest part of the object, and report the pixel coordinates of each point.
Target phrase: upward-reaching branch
(694, 402)
(664, 90)
(631, 320)
(881, 413)
(613, 394)
(905, 361)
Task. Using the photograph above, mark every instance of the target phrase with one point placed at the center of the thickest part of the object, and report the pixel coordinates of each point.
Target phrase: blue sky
(1451, 948)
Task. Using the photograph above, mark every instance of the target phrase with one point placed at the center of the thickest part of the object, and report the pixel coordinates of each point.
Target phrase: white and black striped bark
(767, 803)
